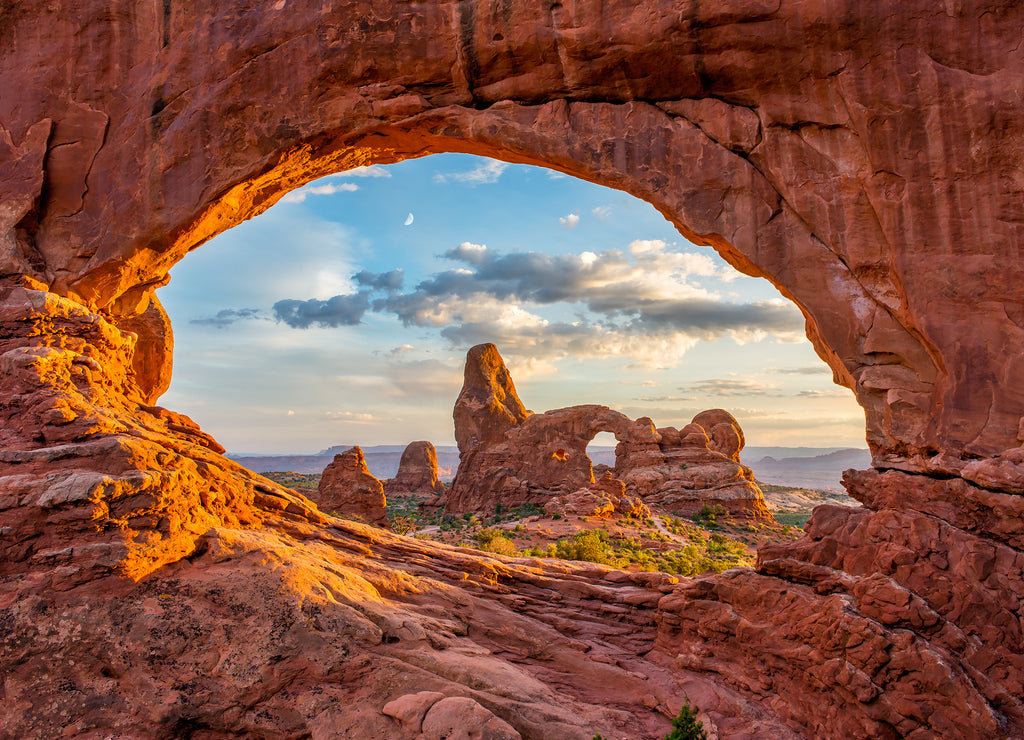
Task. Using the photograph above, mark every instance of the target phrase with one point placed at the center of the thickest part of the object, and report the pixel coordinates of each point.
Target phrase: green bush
(492, 540)
(590, 545)
(686, 726)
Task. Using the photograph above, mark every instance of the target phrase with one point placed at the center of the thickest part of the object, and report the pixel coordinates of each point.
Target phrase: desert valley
(676, 501)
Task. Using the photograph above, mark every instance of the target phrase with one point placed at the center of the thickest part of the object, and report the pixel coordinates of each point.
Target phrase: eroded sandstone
(417, 473)
(510, 459)
(863, 158)
(348, 488)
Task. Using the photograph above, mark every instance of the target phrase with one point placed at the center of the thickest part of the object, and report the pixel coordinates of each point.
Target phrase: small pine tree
(686, 726)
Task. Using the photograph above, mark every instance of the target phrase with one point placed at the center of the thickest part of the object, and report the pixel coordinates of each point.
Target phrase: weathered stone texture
(347, 487)
(537, 457)
(863, 157)
(417, 472)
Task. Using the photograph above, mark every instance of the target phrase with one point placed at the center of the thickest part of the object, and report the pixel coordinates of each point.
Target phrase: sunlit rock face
(348, 488)
(508, 458)
(863, 157)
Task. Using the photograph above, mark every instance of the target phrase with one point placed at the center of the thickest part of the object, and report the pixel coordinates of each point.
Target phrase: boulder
(348, 488)
(417, 472)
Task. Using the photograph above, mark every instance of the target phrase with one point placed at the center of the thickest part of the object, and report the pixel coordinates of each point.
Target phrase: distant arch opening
(601, 451)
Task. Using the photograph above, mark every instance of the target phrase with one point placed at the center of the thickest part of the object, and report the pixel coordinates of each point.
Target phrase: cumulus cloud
(474, 254)
(374, 170)
(389, 281)
(486, 172)
(645, 303)
(569, 222)
(341, 310)
(330, 188)
(651, 286)
(400, 350)
(227, 316)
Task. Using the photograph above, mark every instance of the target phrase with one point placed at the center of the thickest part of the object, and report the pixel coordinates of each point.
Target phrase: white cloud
(330, 188)
(351, 417)
(374, 170)
(602, 212)
(486, 172)
(400, 350)
(469, 252)
(569, 222)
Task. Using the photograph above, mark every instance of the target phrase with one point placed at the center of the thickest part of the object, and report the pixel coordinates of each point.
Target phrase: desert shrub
(556, 517)
(450, 522)
(708, 517)
(493, 540)
(590, 545)
(402, 524)
(686, 726)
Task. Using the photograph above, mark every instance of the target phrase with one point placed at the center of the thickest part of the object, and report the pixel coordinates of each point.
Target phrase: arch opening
(725, 203)
(339, 305)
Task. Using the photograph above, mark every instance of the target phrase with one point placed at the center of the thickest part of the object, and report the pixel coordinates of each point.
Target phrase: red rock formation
(347, 487)
(545, 455)
(602, 498)
(488, 406)
(154, 349)
(863, 157)
(417, 472)
(686, 469)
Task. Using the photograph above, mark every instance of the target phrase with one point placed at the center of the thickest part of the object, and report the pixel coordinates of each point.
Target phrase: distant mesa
(511, 456)
(347, 487)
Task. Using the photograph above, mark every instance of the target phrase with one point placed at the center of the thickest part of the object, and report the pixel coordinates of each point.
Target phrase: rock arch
(746, 142)
(864, 159)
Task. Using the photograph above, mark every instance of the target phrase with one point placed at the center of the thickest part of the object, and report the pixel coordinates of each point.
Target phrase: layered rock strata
(516, 458)
(863, 158)
(348, 488)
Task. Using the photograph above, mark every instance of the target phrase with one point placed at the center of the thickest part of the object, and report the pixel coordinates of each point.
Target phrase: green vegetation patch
(294, 480)
(792, 518)
(715, 554)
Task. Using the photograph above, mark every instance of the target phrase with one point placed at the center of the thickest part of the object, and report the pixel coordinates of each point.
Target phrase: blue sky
(343, 314)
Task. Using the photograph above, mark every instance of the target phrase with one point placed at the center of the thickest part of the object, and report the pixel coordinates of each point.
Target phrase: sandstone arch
(864, 159)
(767, 153)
